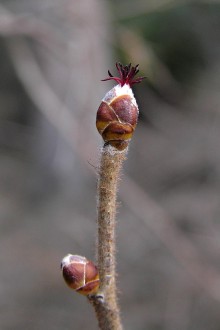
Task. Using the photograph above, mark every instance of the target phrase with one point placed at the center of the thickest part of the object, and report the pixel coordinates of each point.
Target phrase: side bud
(80, 274)
(118, 113)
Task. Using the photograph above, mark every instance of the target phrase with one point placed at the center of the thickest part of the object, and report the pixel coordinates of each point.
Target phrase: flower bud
(118, 112)
(80, 274)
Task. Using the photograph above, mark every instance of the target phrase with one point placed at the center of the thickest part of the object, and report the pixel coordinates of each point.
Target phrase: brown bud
(117, 117)
(118, 113)
(80, 274)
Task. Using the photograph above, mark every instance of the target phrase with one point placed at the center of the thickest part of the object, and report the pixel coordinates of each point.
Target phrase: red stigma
(127, 74)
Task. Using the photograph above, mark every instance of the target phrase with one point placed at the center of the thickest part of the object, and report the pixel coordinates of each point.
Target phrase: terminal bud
(118, 112)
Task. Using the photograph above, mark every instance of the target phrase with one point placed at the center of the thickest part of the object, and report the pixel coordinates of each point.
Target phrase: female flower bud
(118, 113)
(80, 274)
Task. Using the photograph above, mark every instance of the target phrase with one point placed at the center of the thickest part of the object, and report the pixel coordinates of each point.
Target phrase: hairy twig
(105, 302)
(116, 120)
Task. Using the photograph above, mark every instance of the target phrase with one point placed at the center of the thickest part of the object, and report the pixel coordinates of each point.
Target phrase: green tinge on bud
(80, 274)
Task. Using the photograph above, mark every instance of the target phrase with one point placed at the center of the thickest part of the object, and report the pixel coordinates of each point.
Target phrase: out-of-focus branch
(12, 25)
(155, 218)
(40, 92)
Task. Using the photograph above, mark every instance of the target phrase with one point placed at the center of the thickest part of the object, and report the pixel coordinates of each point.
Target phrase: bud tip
(126, 75)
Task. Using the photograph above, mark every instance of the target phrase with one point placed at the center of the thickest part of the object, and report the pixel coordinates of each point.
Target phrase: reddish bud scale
(118, 113)
(117, 120)
(80, 274)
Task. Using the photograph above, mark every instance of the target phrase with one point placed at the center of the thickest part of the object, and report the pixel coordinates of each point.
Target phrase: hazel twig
(105, 301)
(116, 121)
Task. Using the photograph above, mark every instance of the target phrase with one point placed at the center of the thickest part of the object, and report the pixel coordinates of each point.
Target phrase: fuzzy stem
(105, 302)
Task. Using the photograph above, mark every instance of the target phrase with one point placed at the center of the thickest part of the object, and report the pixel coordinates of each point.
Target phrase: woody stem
(105, 301)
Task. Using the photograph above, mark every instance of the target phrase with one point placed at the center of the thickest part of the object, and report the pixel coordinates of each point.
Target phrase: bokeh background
(53, 54)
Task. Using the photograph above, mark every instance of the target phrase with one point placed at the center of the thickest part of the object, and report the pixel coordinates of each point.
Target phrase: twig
(105, 302)
(116, 120)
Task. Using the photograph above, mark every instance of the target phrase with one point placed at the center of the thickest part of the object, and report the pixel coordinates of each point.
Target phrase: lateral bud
(80, 274)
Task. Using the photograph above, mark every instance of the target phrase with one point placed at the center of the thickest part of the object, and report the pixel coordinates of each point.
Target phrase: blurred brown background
(53, 55)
